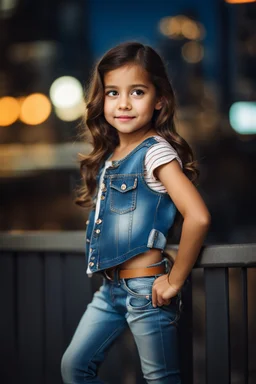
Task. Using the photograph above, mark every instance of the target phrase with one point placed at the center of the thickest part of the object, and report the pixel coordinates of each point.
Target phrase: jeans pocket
(139, 292)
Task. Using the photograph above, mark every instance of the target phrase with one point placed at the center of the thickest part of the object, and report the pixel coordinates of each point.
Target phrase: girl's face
(130, 99)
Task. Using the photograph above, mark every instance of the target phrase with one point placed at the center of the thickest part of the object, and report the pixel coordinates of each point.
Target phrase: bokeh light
(35, 109)
(66, 92)
(170, 26)
(7, 7)
(192, 30)
(239, 1)
(180, 27)
(192, 52)
(242, 117)
(9, 110)
(71, 113)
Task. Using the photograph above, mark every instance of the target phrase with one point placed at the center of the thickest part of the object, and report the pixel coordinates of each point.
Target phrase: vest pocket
(123, 193)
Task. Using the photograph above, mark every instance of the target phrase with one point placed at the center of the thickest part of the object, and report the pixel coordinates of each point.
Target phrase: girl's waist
(143, 260)
(149, 263)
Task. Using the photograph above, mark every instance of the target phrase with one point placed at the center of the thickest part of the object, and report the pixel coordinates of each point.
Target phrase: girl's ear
(159, 104)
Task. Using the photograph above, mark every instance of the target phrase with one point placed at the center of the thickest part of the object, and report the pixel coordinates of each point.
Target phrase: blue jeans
(118, 304)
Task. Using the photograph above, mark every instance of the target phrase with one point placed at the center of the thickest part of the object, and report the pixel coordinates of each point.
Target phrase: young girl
(137, 176)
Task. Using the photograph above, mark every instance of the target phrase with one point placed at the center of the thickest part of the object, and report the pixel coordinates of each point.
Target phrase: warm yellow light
(9, 110)
(190, 30)
(35, 109)
(239, 1)
(164, 26)
(174, 27)
(171, 26)
(192, 52)
(180, 26)
(71, 113)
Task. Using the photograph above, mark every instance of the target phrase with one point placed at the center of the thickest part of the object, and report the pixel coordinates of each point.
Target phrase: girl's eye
(136, 92)
(111, 93)
(139, 92)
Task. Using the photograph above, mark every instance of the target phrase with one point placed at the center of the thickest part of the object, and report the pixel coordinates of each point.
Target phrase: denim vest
(132, 217)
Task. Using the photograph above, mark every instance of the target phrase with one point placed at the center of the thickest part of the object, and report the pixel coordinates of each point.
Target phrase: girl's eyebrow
(131, 86)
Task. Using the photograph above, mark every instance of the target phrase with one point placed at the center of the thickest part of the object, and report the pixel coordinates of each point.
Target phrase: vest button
(90, 249)
(88, 240)
(97, 231)
(102, 197)
(103, 186)
(98, 221)
(123, 187)
(91, 264)
(87, 222)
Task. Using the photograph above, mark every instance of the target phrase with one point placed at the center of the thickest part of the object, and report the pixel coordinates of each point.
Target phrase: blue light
(242, 117)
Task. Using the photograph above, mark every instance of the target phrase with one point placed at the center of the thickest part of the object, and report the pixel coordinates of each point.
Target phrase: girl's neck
(130, 141)
(125, 147)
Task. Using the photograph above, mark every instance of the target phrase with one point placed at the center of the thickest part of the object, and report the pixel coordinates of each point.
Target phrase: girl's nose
(124, 103)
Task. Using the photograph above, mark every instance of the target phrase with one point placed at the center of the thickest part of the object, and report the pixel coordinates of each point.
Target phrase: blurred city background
(47, 50)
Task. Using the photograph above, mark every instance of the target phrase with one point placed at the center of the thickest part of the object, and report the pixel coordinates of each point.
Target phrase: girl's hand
(162, 291)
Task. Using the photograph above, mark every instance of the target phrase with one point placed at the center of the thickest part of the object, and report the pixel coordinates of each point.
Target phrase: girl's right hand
(162, 291)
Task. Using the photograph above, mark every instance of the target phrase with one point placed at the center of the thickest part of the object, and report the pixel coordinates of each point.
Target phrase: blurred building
(210, 53)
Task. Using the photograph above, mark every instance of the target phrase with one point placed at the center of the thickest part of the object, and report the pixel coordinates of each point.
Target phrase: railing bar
(245, 323)
(231, 255)
(185, 334)
(217, 326)
(64, 297)
(43, 288)
(16, 312)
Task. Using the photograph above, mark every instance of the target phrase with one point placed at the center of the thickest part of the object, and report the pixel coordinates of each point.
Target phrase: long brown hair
(104, 137)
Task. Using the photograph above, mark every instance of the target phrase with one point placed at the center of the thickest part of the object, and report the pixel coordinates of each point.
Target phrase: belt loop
(116, 276)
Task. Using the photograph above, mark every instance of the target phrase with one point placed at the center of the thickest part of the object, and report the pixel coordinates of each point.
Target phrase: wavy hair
(104, 137)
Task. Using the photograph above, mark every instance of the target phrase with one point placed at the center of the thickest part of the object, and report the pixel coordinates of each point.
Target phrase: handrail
(234, 255)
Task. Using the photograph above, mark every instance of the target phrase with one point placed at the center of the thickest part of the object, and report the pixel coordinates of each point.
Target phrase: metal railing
(44, 291)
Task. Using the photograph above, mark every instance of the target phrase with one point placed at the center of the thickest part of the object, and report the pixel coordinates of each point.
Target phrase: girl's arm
(195, 225)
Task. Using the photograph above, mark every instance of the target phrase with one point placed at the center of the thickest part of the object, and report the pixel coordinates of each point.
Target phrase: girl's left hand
(163, 291)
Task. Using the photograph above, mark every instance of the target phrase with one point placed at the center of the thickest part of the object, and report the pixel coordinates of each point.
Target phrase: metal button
(90, 249)
(103, 186)
(98, 221)
(123, 187)
(93, 257)
(88, 240)
(97, 231)
(91, 264)
(87, 222)
(102, 197)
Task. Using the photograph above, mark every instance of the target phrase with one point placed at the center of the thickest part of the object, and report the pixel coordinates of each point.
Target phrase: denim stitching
(159, 200)
(140, 308)
(141, 145)
(131, 292)
(130, 230)
(162, 340)
(117, 175)
(133, 198)
(122, 211)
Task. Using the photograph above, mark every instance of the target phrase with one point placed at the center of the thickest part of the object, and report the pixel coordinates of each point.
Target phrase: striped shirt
(159, 154)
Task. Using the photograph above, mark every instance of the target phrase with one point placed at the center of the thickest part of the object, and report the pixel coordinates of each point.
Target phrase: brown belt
(138, 272)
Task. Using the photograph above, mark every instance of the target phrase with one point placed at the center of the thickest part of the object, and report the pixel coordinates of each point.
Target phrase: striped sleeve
(159, 154)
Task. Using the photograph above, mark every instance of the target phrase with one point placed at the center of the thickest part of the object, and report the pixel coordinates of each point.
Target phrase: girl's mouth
(124, 118)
